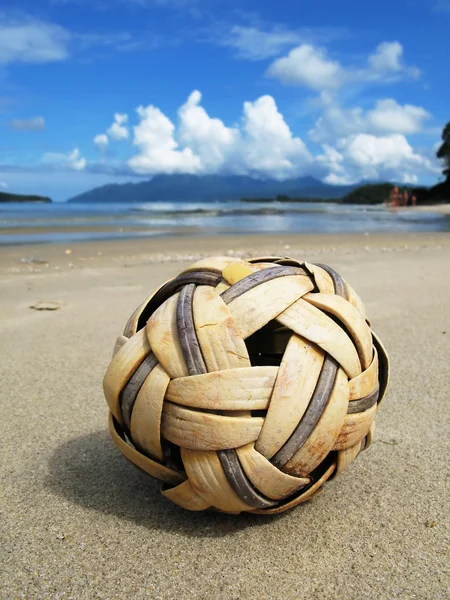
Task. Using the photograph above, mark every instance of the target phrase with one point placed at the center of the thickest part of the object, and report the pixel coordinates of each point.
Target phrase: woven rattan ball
(245, 385)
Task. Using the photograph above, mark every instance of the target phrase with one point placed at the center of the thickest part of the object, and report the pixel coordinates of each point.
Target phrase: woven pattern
(245, 385)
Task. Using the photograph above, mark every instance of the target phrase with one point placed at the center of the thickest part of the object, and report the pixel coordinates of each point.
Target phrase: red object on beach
(243, 386)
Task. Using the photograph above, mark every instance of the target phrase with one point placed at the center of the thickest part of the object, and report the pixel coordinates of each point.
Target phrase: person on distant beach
(405, 198)
(394, 198)
(413, 200)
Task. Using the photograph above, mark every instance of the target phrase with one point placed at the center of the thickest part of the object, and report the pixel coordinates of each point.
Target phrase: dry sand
(78, 521)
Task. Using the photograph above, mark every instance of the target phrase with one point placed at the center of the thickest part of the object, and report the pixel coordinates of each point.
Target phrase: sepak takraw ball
(246, 385)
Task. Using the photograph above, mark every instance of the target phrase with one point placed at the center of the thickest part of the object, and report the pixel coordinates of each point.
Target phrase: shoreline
(91, 225)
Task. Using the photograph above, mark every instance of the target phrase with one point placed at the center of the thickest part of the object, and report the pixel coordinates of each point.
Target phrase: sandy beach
(80, 522)
(443, 209)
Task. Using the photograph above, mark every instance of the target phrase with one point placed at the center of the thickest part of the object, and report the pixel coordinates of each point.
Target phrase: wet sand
(78, 521)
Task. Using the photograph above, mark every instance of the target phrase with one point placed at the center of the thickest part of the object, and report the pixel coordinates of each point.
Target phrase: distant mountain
(7, 197)
(209, 188)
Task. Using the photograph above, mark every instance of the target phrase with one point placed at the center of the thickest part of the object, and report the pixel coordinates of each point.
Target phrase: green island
(7, 197)
(372, 193)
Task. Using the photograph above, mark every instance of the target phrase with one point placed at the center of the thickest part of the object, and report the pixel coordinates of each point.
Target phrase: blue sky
(98, 91)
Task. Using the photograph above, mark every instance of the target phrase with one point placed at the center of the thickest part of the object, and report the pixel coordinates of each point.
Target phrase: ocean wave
(225, 212)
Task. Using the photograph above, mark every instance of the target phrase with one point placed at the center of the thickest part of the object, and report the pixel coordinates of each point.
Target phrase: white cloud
(262, 146)
(72, 161)
(390, 116)
(3, 185)
(337, 179)
(386, 64)
(387, 57)
(336, 122)
(386, 117)
(369, 157)
(370, 144)
(368, 150)
(208, 138)
(32, 41)
(333, 162)
(310, 66)
(101, 141)
(259, 43)
(33, 124)
(254, 44)
(356, 144)
(24, 39)
(158, 150)
(118, 131)
(76, 161)
(269, 146)
(307, 66)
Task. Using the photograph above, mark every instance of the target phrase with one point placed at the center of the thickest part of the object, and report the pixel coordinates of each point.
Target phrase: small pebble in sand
(43, 305)
(430, 523)
(33, 260)
(67, 251)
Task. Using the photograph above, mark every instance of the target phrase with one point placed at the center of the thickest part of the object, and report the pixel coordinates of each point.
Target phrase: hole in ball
(266, 346)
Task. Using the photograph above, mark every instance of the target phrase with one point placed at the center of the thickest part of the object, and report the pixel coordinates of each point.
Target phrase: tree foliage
(444, 151)
(372, 193)
(7, 197)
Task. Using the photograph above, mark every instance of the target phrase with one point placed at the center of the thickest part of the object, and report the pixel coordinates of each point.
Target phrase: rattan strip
(145, 423)
(365, 403)
(152, 467)
(186, 332)
(200, 277)
(239, 481)
(221, 343)
(257, 278)
(121, 368)
(304, 494)
(162, 333)
(319, 398)
(312, 414)
(131, 390)
(339, 284)
(349, 319)
(383, 367)
(270, 481)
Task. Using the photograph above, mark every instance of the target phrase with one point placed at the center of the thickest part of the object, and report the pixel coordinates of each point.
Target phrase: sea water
(61, 223)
